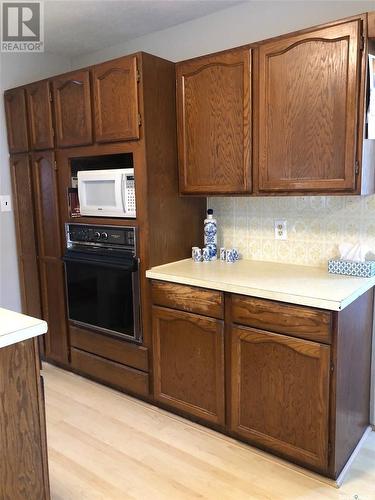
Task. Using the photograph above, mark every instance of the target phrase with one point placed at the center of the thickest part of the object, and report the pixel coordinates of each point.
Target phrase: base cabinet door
(280, 394)
(189, 363)
(308, 91)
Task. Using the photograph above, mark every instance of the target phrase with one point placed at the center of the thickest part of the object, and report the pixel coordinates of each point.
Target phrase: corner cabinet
(308, 110)
(72, 106)
(214, 123)
(116, 100)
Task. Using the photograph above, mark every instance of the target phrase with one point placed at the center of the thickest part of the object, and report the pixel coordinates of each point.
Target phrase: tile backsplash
(315, 226)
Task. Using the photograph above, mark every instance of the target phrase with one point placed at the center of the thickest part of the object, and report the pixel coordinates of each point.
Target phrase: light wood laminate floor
(106, 445)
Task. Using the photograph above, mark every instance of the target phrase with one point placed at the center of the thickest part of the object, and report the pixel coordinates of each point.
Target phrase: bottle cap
(210, 211)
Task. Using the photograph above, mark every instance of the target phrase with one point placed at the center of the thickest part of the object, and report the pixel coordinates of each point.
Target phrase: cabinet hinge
(356, 167)
(55, 165)
(332, 367)
(362, 42)
(139, 119)
(329, 448)
(138, 75)
(50, 96)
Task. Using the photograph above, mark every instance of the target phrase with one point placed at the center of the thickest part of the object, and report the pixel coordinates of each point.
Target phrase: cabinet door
(280, 397)
(40, 115)
(116, 100)
(214, 124)
(308, 88)
(189, 363)
(50, 264)
(16, 118)
(26, 234)
(72, 105)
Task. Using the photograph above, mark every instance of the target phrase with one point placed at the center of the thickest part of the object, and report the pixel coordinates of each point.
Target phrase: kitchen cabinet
(189, 363)
(116, 100)
(307, 108)
(26, 234)
(50, 251)
(72, 107)
(40, 115)
(214, 123)
(16, 119)
(24, 467)
(280, 393)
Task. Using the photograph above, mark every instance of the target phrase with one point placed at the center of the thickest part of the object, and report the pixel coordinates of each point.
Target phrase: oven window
(100, 296)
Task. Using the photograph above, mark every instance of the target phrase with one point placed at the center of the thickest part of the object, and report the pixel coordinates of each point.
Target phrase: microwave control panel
(104, 236)
(130, 195)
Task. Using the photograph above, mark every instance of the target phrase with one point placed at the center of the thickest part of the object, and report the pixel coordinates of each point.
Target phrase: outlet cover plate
(280, 229)
(5, 203)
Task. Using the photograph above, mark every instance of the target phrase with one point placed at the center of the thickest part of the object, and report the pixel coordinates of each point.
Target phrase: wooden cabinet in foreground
(189, 363)
(214, 123)
(72, 106)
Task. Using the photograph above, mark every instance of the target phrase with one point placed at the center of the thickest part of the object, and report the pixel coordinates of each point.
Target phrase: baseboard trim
(352, 457)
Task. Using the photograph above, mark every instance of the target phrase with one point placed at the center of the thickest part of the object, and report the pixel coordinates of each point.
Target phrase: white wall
(16, 69)
(244, 23)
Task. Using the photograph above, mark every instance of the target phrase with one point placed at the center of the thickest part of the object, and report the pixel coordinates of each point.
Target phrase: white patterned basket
(351, 268)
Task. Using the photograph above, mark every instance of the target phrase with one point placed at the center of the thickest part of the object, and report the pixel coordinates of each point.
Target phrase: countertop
(15, 327)
(304, 285)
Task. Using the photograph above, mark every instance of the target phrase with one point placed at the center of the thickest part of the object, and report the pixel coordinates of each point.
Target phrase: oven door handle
(127, 265)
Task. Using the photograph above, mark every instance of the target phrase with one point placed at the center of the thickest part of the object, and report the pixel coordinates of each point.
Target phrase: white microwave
(107, 193)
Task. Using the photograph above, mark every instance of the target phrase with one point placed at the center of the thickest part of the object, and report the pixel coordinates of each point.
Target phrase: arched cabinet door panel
(40, 115)
(116, 100)
(72, 106)
(16, 118)
(214, 123)
(307, 109)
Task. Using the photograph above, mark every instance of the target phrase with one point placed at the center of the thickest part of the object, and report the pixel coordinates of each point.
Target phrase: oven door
(103, 293)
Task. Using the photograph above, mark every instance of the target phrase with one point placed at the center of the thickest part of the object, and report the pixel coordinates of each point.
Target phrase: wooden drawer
(188, 298)
(103, 370)
(108, 347)
(279, 317)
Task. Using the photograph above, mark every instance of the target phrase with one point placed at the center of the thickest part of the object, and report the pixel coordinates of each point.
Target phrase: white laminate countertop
(15, 327)
(304, 285)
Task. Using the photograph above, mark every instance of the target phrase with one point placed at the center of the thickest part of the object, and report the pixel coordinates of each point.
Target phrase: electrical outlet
(280, 230)
(5, 203)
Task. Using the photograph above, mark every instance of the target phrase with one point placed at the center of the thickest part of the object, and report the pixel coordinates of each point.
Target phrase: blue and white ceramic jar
(210, 233)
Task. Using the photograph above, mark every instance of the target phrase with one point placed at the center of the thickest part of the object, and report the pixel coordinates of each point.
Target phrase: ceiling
(79, 27)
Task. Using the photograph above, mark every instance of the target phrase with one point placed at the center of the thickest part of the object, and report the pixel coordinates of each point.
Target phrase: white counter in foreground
(15, 327)
(304, 285)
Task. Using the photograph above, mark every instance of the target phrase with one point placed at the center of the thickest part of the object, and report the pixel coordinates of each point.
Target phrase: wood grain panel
(26, 234)
(280, 394)
(116, 100)
(188, 298)
(189, 363)
(40, 115)
(72, 106)
(214, 125)
(16, 119)
(23, 468)
(305, 322)
(115, 374)
(108, 347)
(308, 96)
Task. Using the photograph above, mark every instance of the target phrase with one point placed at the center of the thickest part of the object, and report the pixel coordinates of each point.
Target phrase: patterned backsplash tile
(315, 225)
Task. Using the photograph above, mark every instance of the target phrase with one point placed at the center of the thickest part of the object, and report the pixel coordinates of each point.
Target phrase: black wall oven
(102, 279)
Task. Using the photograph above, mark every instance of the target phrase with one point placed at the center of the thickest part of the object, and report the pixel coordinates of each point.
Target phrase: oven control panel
(101, 236)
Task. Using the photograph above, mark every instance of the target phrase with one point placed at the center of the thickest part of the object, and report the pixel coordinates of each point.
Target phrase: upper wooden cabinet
(72, 106)
(116, 100)
(214, 123)
(40, 115)
(308, 110)
(16, 118)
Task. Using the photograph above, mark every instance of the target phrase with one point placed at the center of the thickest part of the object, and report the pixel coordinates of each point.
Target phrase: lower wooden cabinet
(280, 394)
(189, 363)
